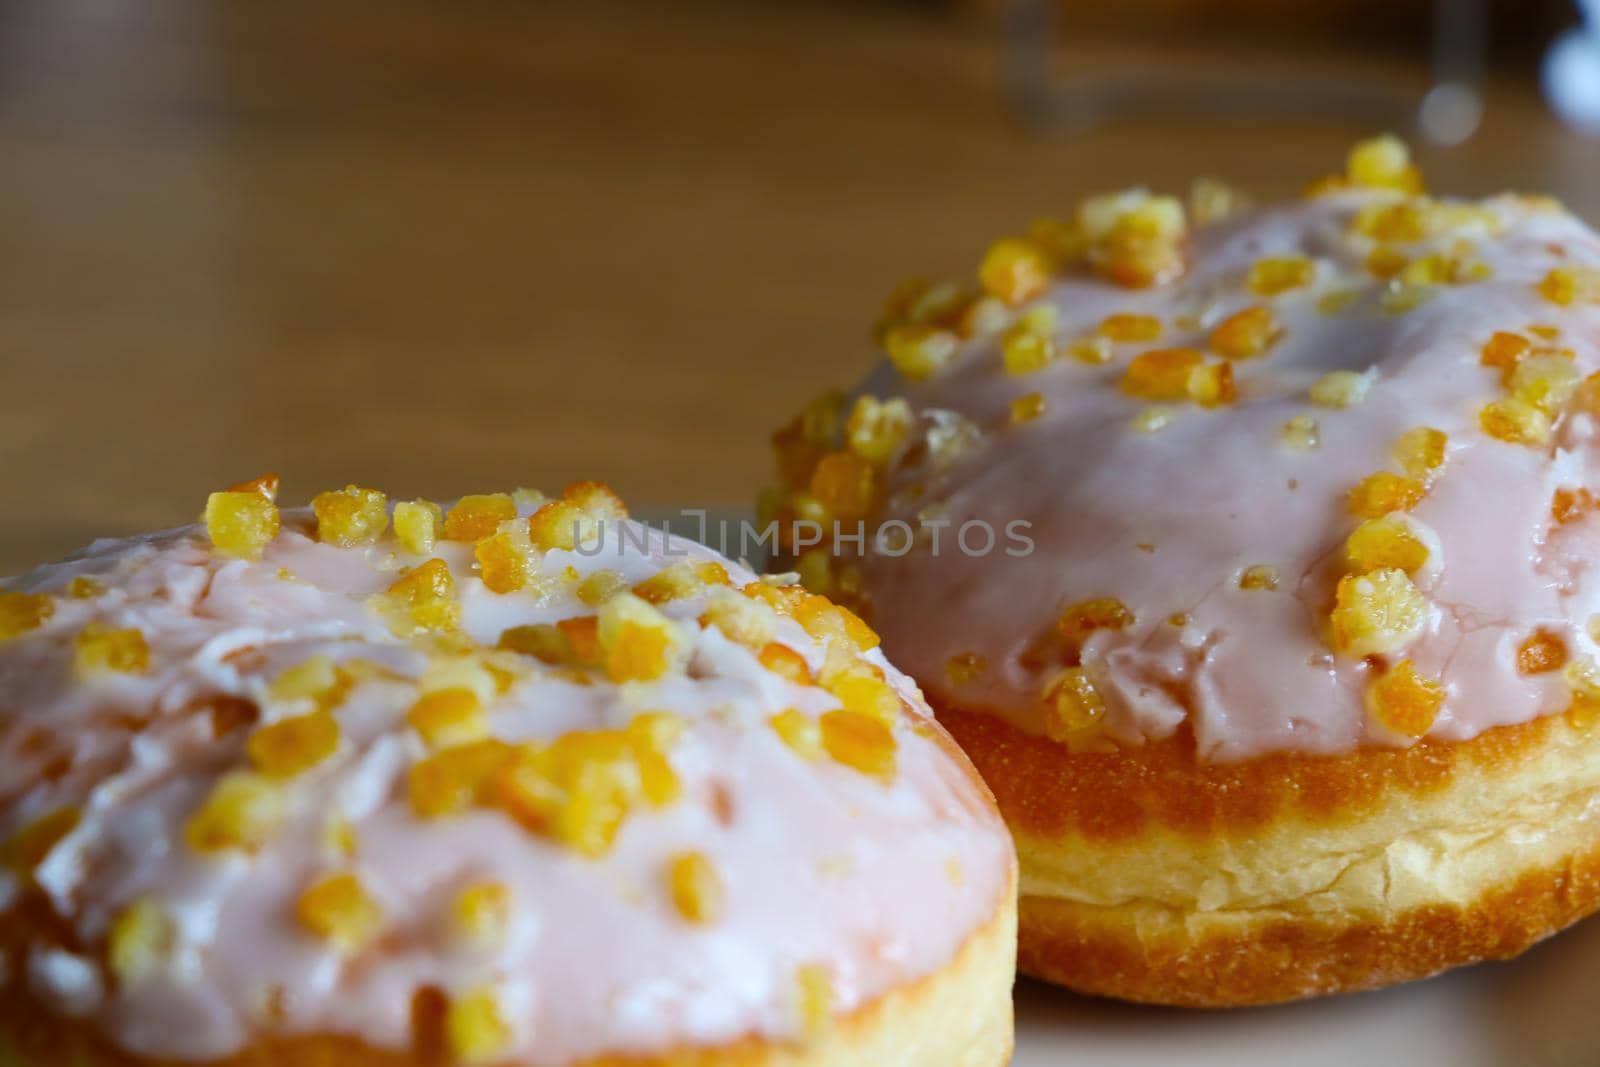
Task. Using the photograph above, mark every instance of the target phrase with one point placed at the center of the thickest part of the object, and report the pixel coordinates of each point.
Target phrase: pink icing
(821, 865)
(1167, 521)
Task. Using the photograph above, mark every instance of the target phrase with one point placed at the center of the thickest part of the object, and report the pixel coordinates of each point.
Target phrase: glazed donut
(1250, 554)
(517, 782)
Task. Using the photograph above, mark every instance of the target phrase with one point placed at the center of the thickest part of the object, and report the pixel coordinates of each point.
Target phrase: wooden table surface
(450, 246)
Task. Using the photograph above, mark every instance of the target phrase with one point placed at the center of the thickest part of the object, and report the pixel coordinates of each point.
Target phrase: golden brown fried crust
(957, 1017)
(1077, 947)
(1150, 876)
(1047, 790)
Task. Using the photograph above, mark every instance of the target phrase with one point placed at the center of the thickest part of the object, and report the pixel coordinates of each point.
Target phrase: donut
(1250, 553)
(518, 782)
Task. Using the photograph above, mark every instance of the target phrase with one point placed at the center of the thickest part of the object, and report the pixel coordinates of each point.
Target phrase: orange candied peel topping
(1074, 710)
(799, 731)
(739, 618)
(339, 910)
(241, 813)
(475, 1030)
(423, 598)
(637, 642)
(1380, 493)
(481, 912)
(785, 662)
(1505, 350)
(417, 524)
(1341, 389)
(1542, 651)
(448, 717)
(1569, 505)
(452, 780)
(1383, 162)
(1161, 373)
(350, 516)
(920, 352)
(101, 649)
(844, 484)
(294, 745)
(478, 515)
(825, 620)
(1276, 275)
(695, 887)
(1135, 239)
(241, 522)
(862, 742)
(140, 937)
(1420, 452)
(876, 429)
(1126, 326)
(1079, 621)
(1262, 577)
(1246, 333)
(1405, 701)
(1015, 270)
(1515, 421)
(1027, 407)
(506, 558)
(1389, 541)
(1566, 286)
(1377, 613)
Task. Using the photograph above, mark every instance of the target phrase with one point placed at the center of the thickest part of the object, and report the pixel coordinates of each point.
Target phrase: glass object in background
(1572, 72)
(1220, 61)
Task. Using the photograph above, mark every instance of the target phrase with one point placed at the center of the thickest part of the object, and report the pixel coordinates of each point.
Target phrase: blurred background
(439, 247)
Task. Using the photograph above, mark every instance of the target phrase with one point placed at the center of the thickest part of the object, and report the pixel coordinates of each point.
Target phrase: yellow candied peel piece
(341, 911)
(1015, 270)
(681, 581)
(1247, 333)
(241, 814)
(1383, 162)
(454, 779)
(241, 524)
(1301, 433)
(1211, 385)
(1565, 286)
(637, 642)
(1135, 239)
(417, 524)
(1420, 452)
(481, 913)
(1027, 407)
(785, 662)
(1377, 613)
(1544, 380)
(741, 619)
(138, 941)
(1341, 388)
(875, 429)
(292, 746)
(1405, 701)
(1094, 351)
(1380, 493)
(1074, 710)
(507, 559)
(1261, 577)
(475, 1028)
(1515, 421)
(799, 731)
(844, 484)
(1127, 326)
(100, 649)
(1387, 542)
(449, 717)
(478, 515)
(814, 997)
(350, 516)
(1161, 373)
(860, 741)
(1276, 275)
(423, 598)
(1080, 620)
(695, 886)
(920, 352)
(1026, 351)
